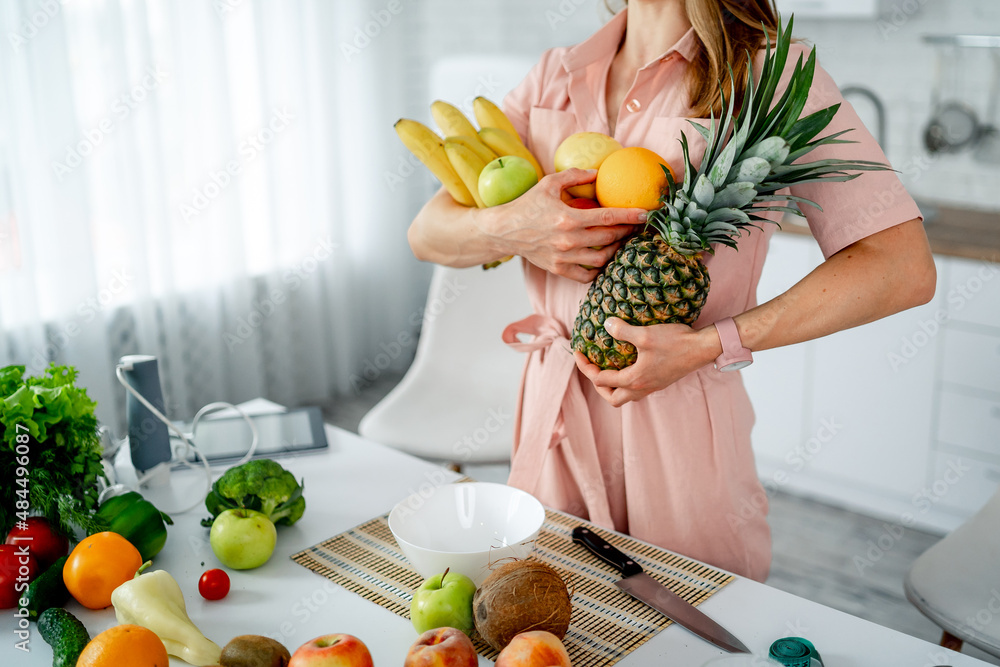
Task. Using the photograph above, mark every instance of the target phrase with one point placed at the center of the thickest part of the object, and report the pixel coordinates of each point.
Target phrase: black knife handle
(600, 548)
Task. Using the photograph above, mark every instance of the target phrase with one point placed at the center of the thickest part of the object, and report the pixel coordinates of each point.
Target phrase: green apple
(505, 179)
(242, 539)
(444, 600)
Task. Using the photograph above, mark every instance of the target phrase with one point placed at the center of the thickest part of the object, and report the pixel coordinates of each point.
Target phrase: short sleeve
(855, 209)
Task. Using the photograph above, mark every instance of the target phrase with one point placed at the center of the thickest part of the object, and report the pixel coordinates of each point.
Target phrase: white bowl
(466, 527)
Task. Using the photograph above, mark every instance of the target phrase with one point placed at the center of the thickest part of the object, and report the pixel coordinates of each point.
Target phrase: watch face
(736, 365)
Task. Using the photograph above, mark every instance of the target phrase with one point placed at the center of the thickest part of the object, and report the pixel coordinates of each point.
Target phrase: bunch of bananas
(458, 158)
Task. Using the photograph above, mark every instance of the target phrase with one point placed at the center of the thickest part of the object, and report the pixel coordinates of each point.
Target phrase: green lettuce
(64, 459)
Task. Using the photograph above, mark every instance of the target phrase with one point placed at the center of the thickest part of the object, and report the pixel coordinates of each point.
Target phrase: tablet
(221, 439)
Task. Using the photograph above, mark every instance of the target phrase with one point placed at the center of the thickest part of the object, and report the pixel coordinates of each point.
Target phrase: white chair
(456, 402)
(956, 583)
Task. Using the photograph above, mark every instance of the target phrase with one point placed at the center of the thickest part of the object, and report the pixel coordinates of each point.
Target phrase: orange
(632, 178)
(98, 565)
(131, 645)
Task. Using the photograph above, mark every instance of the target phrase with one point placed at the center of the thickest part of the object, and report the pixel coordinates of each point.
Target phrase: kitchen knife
(644, 588)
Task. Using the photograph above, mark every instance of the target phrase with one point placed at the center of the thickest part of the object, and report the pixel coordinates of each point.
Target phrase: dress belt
(557, 414)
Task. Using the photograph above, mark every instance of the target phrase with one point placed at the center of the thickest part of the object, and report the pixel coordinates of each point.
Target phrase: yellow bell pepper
(155, 602)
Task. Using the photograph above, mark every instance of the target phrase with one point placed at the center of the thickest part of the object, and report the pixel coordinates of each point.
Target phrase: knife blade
(644, 588)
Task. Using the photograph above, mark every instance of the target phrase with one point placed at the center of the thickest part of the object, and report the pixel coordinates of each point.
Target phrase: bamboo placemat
(606, 624)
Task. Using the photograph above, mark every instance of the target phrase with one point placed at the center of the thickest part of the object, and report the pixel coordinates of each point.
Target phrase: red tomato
(582, 202)
(18, 568)
(214, 585)
(42, 540)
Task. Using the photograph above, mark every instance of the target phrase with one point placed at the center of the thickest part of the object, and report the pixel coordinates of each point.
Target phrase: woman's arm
(885, 273)
(538, 226)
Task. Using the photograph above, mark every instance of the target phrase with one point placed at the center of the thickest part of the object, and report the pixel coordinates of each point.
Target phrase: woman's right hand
(543, 229)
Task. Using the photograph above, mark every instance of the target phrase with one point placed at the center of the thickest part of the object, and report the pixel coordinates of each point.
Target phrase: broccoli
(262, 485)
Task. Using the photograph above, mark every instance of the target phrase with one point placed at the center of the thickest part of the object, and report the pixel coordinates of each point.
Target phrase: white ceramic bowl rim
(530, 533)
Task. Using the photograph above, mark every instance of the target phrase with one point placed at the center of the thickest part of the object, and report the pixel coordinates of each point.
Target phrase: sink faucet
(880, 135)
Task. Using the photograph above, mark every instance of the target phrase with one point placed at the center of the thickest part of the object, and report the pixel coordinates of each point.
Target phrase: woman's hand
(540, 227)
(667, 352)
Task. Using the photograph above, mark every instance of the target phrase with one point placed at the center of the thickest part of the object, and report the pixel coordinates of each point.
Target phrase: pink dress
(675, 469)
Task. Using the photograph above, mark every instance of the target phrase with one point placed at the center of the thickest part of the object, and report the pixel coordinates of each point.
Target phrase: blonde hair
(727, 31)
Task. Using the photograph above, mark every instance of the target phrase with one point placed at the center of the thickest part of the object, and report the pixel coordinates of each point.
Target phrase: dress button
(633, 105)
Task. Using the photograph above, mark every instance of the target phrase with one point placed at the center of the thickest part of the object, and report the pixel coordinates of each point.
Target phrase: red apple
(582, 202)
(536, 648)
(442, 647)
(334, 650)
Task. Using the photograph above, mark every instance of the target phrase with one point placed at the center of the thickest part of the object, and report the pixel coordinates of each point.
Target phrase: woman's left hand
(666, 353)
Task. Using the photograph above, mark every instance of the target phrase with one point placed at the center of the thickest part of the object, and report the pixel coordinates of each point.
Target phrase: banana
(429, 149)
(467, 165)
(451, 120)
(504, 143)
(475, 144)
(489, 114)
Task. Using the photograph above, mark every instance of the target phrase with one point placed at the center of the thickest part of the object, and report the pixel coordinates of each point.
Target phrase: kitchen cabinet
(899, 418)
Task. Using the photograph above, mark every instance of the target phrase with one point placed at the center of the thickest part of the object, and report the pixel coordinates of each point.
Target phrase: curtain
(209, 182)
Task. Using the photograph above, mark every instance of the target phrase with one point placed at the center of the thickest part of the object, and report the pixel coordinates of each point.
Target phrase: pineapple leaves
(734, 195)
(704, 192)
(751, 155)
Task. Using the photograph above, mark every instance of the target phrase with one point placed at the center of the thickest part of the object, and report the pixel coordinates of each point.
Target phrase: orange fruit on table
(98, 565)
(131, 645)
(632, 178)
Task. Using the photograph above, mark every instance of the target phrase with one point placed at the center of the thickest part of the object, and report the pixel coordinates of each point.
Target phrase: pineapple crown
(749, 157)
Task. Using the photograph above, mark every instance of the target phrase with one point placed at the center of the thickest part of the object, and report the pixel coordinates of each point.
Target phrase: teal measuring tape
(794, 652)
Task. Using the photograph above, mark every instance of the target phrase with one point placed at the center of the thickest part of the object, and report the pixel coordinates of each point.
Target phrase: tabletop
(356, 480)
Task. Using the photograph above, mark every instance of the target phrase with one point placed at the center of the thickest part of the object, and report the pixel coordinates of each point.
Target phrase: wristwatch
(734, 356)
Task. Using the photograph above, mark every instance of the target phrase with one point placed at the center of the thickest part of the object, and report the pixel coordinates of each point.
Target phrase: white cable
(120, 372)
(220, 405)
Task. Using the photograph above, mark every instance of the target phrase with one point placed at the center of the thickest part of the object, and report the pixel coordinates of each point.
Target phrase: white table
(358, 480)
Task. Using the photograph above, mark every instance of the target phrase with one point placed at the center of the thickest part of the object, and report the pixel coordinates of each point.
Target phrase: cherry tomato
(43, 541)
(17, 570)
(214, 585)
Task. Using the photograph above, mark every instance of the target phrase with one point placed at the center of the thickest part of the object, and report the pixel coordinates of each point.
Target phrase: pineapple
(658, 276)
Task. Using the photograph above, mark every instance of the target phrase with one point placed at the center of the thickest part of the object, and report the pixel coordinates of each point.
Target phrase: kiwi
(254, 651)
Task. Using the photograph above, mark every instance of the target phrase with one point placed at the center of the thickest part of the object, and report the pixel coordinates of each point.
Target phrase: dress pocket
(664, 139)
(547, 128)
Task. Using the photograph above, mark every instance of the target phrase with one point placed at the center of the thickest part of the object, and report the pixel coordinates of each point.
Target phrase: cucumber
(48, 590)
(65, 633)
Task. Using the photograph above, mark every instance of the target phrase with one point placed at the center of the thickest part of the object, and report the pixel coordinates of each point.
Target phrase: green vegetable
(64, 451)
(137, 520)
(65, 633)
(47, 591)
(261, 485)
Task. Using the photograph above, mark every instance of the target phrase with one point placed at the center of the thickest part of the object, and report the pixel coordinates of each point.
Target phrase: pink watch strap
(734, 356)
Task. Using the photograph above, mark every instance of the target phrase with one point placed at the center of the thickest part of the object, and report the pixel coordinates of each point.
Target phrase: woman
(661, 450)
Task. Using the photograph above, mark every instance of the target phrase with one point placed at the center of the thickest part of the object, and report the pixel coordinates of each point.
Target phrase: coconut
(520, 596)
